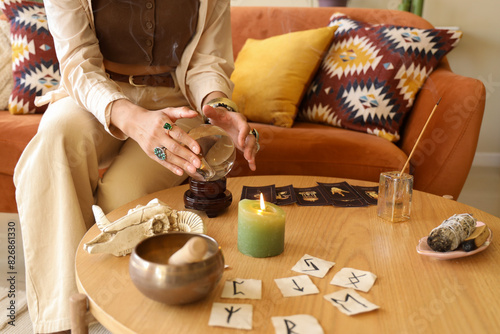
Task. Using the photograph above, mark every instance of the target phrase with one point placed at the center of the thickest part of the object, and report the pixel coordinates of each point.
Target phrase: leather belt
(153, 80)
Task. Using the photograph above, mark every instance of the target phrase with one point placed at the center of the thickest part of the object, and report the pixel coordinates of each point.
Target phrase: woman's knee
(68, 127)
(65, 119)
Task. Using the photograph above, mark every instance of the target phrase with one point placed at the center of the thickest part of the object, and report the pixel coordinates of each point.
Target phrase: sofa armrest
(442, 159)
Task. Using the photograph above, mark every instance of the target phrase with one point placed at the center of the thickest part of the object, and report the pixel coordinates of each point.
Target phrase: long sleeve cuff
(101, 101)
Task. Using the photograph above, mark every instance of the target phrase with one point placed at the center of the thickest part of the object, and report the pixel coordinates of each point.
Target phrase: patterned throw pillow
(34, 63)
(370, 77)
(5, 63)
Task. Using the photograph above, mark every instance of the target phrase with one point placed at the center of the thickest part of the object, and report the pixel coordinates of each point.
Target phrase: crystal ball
(217, 151)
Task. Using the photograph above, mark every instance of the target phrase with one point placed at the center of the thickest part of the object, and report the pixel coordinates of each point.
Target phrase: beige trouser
(57, 183)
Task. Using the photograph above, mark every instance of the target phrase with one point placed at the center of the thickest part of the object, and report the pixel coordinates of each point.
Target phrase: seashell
(188, 221)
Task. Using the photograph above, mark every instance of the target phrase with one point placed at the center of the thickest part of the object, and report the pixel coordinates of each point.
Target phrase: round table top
(415, 293)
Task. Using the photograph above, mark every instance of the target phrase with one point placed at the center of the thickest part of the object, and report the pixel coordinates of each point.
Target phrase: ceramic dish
(424, 249)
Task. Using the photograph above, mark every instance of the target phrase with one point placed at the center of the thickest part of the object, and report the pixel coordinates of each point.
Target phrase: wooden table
(416, 294)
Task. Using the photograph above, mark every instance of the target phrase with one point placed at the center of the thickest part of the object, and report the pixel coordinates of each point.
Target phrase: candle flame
(262, 204)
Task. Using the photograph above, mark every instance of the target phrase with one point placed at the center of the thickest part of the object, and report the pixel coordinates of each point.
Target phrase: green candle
(261, 228)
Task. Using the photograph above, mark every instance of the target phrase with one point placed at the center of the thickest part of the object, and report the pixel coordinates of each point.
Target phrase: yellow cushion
(271, 75)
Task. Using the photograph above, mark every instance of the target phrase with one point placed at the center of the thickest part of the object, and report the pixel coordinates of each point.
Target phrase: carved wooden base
(212, 197)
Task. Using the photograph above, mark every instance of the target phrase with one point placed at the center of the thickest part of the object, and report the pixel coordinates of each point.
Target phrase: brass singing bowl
(174, 284)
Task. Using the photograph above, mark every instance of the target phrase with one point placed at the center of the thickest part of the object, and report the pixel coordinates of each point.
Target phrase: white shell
(121, 236)
(188, 221)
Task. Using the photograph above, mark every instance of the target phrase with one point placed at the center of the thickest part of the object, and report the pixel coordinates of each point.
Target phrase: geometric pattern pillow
(34, 63)
(5, 62)
(370, 76)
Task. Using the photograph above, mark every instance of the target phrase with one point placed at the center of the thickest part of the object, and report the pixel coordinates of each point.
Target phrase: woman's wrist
(223, 102)
(218, 100)
(211, 96)
(122, 112)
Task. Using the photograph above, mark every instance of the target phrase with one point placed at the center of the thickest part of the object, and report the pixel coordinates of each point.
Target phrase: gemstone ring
(160, 153)
(167, 126)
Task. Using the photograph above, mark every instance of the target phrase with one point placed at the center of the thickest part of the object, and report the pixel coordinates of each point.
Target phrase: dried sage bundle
(451, 233)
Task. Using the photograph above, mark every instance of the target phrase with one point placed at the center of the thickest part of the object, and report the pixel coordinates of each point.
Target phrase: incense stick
(419, 137)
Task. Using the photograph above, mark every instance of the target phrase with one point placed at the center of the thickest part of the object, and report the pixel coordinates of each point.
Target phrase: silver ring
(256, 135)
(160, 153)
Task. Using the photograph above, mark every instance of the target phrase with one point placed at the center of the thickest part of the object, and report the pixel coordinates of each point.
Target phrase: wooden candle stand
(212, 197)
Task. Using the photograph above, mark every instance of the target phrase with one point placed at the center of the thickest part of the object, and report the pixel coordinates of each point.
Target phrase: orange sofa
(440, 164)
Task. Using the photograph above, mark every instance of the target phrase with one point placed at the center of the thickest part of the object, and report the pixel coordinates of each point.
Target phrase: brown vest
(145, 32)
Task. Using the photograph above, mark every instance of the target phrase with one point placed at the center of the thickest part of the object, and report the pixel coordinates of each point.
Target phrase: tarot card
(312, 196)
(343, 194)
(369, 194)
(269, 193)
(285, 195)
(353, 203)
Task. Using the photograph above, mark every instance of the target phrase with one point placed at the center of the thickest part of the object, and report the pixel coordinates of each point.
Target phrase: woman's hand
(235, 124)
(146, 127)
